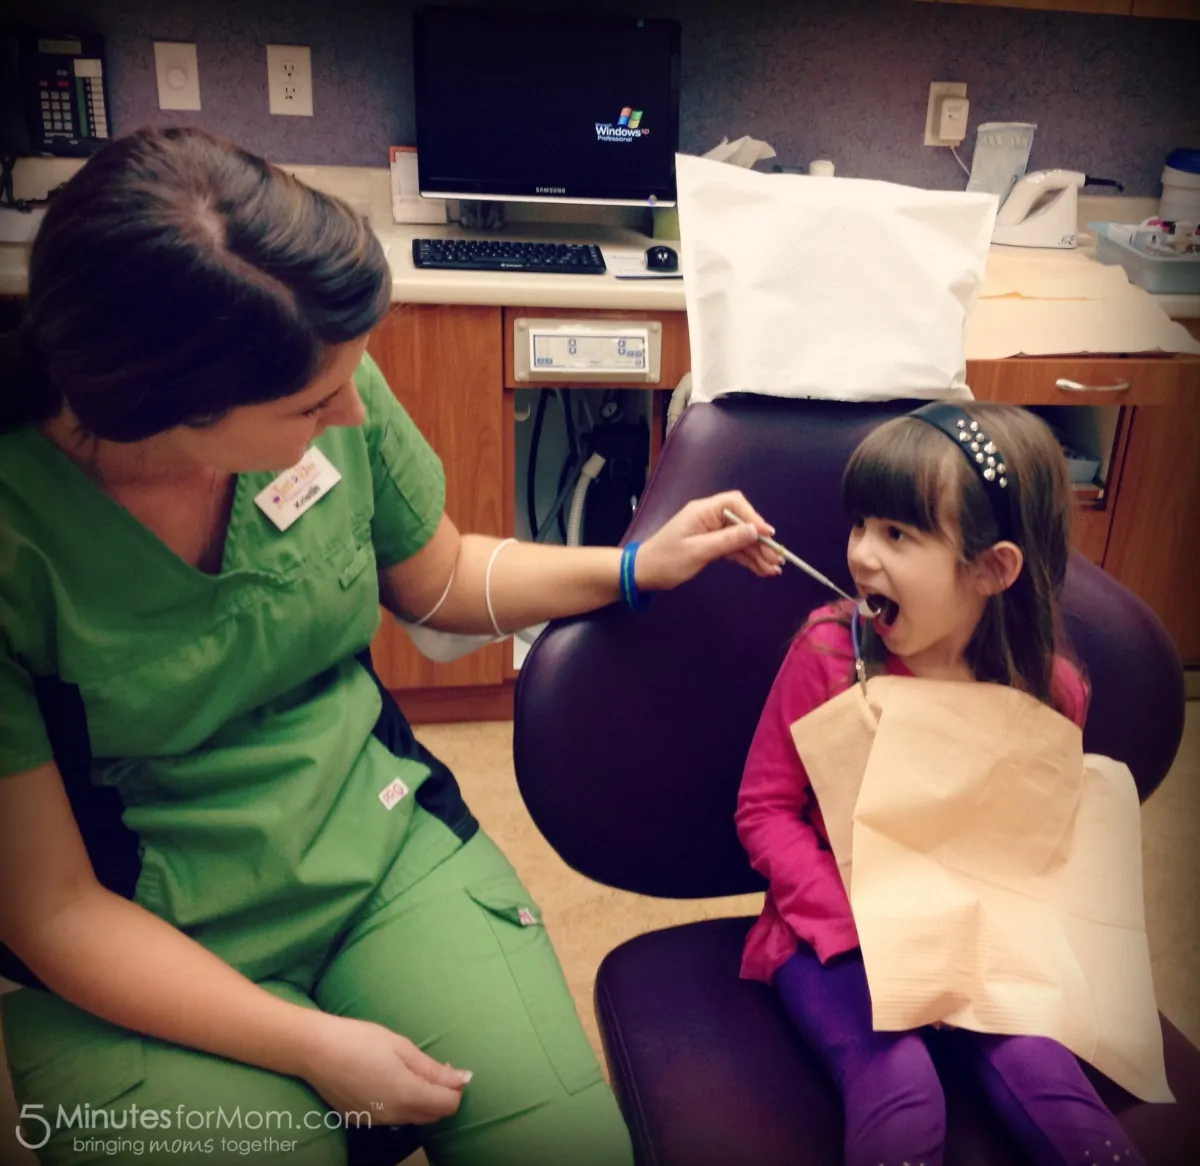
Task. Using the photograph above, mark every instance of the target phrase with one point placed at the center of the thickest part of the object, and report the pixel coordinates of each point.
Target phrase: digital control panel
(600, 350)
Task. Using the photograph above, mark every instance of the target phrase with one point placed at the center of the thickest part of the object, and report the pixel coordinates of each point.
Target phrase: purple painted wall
(1111, 95)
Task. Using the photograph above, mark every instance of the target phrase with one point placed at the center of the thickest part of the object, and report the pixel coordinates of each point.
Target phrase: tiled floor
(587, 920)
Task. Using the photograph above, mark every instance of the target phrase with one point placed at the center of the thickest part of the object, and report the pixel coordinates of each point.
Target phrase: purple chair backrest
(631, 730)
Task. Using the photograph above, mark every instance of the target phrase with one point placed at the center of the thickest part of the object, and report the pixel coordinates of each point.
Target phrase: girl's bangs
(896, 474)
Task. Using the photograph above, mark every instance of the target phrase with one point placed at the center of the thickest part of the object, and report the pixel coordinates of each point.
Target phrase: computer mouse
(660, 258)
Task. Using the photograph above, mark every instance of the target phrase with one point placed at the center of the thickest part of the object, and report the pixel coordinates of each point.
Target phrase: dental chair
(630, 735)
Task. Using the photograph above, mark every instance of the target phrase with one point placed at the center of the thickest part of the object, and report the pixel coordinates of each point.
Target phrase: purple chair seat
(629, 739)
(709, 1071)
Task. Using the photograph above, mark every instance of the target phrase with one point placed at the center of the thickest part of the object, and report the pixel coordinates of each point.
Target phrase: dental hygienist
(230, 877)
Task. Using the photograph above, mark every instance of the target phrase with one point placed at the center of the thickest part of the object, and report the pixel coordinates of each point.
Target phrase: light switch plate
(178, 75)
(289, 80)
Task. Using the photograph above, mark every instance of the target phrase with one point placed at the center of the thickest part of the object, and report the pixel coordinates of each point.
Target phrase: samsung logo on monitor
(549, 190)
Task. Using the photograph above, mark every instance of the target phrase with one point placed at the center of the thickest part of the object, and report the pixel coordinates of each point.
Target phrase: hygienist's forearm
(118, 961)
(530, 583)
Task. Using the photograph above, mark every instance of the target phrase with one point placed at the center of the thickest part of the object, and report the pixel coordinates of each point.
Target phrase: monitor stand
(480, 214)
(550, 220)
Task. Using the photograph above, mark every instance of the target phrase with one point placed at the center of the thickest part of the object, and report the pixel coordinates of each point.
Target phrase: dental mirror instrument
(864, 608)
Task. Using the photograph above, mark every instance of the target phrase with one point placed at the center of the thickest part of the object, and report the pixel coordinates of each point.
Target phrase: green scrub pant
(458, 962)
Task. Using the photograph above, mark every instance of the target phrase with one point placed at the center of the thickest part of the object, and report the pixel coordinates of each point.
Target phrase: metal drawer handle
(1076, 387)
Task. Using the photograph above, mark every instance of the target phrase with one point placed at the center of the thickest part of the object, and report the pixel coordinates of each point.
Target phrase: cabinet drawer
(676, 356)
(1079, 381)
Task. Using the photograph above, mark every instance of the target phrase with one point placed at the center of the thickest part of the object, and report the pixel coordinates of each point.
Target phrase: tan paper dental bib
(994, 869)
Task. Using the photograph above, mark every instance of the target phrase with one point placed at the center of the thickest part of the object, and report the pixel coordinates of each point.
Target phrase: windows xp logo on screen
(628, 128)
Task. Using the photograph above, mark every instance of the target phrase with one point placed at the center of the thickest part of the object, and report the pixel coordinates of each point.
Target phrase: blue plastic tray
(1176, 275)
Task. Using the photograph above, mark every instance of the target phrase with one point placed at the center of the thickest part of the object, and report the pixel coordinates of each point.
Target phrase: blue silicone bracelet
(629, 592)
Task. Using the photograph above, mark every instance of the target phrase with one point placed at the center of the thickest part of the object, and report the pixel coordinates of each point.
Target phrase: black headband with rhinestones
(979, 450)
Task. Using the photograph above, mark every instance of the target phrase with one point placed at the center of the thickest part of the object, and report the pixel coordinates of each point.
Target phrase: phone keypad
(58, 117)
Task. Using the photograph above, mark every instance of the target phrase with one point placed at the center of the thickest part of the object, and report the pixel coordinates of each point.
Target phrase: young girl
(963, 559)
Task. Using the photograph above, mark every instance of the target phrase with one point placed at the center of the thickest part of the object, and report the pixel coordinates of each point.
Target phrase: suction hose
(589, 473)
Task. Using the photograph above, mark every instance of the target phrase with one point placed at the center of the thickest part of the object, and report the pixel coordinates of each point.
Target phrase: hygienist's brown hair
(177, 276)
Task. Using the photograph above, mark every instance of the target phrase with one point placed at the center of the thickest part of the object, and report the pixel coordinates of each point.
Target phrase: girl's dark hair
(910, 472)
(177, 276)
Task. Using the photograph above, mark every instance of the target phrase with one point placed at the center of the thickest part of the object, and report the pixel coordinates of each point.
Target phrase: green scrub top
(228, 712)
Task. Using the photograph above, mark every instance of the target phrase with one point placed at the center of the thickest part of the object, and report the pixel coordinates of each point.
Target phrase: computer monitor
(546, 108)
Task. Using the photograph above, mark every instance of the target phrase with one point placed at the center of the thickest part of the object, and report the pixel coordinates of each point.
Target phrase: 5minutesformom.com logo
(37, 1127)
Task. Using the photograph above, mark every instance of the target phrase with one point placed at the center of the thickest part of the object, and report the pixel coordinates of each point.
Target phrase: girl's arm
(531, 582)
(783, 845)
(1069, 692)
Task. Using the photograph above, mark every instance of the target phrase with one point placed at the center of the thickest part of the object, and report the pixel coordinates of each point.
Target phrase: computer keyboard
(508, 255)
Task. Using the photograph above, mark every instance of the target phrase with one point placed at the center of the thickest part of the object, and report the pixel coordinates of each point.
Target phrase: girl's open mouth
(886, 610)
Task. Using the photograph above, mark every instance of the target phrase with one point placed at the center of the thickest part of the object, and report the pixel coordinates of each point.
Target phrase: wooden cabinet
(1111, 7)
(443, 364)
(1121, 382)
(1171, 9)
(1143, 529)
(1152, 543)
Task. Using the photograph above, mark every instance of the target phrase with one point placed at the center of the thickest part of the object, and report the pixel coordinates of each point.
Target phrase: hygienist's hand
(699, 535)
(357, 1066)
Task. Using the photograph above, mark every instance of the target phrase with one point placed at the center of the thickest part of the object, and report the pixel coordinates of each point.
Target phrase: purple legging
(895, 1110)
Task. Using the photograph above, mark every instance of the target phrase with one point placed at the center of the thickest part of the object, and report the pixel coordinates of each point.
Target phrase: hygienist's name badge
(298, 489)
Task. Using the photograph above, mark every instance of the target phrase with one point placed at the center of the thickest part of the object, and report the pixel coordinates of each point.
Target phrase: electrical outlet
(289, 80)
(952, 119)
(937, 91)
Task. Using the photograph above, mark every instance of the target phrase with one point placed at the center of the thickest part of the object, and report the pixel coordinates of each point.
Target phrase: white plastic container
(1180, 200)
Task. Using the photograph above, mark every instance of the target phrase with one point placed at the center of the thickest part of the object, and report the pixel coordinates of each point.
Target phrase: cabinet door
(1172, 9)
(1111, 7)
(444, 363)
(1152, 545)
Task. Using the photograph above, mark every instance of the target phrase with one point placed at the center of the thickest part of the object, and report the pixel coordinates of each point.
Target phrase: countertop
(368, 189)
(514, 289)
(418, 286)
(415, 285)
